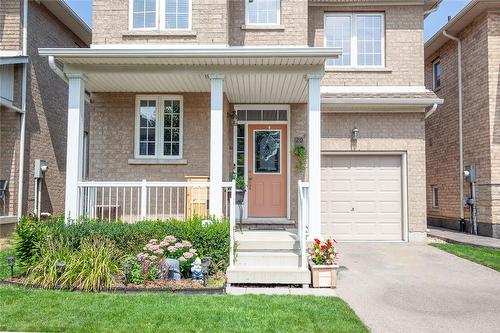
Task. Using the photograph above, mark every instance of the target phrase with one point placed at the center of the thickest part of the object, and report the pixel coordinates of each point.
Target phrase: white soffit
(251, 75)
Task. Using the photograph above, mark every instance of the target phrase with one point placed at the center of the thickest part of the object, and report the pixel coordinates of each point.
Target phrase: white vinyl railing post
(301, 225)
(232, 220)
(144, 199)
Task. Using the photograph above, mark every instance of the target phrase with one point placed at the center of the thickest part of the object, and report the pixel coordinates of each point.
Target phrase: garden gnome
(174, 271)
(197, 270)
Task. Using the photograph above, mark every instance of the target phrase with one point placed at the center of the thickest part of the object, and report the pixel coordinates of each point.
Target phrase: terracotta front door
(267, 171)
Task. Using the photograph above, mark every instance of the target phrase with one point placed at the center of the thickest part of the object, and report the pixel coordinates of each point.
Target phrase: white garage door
(361, 197)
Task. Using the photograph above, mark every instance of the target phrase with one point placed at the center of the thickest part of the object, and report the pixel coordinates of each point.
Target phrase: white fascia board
(383, 101)
(193, 52)
(372, 89)
(13, 60)
(10, 53)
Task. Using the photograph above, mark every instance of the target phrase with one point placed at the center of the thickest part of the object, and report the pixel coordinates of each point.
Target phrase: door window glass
(267, 152)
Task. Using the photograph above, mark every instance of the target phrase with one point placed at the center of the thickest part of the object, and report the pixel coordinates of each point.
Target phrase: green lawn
(47, 310)
(481, 255)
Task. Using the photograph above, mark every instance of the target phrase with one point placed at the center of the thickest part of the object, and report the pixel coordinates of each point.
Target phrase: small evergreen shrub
(30, 238)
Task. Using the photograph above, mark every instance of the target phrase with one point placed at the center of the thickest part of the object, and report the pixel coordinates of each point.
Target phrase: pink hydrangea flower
(171, 248)
(188, 255)
(178, 245)
(186, 243)
(170, 239)
(158, 251)
(192, 251)
(163, 244)
(182, 259)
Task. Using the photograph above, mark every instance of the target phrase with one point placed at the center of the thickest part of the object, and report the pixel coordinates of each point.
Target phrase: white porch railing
(135, 201)
(303, 220)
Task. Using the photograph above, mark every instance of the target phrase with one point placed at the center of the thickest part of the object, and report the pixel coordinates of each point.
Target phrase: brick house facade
(477, 28)
(205, 89)
(48, 25)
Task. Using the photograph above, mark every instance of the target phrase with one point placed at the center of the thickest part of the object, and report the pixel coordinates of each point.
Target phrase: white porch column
(216, 146)
(314, 154)
(74, 150)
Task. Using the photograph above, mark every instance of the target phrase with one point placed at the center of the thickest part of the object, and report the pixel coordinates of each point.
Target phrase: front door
(267, 171)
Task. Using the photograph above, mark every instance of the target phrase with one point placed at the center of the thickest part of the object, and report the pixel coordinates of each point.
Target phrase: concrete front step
(237, 274)
(268, 259)
(263, 240)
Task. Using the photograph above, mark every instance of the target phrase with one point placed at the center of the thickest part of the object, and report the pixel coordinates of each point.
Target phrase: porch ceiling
(251, 75)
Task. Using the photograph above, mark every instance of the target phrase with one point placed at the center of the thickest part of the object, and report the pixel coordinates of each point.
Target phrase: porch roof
(251, 74)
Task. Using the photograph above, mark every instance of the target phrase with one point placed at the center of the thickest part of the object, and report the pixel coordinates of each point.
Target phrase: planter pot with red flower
(322, 256)
(323, 276)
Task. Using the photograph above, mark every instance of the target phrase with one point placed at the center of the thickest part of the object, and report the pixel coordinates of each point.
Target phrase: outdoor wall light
(234, 118)
(60, 267)
(11, 260)
(126, 270)
(355, 134)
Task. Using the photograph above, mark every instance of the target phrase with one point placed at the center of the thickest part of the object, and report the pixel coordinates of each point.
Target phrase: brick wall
(111, 24)
(404, 47)
(385, 132)
(10, 25)
(293, 21)
(46, 111)
(9, 159)
(112, 140)
(442, 128)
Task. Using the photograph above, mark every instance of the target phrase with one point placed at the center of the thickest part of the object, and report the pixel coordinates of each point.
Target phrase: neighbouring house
(33, 104)
(477, 28)
(185, 93)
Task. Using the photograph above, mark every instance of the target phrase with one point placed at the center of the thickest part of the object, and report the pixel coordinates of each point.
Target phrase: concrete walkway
(453, 236)
(281, 291)
(400, 287)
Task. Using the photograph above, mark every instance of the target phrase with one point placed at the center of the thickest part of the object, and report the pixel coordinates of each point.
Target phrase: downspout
(460, 119)
(431, 111)
(23, 113)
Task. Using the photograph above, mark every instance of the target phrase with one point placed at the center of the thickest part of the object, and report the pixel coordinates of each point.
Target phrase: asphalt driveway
(397, 287)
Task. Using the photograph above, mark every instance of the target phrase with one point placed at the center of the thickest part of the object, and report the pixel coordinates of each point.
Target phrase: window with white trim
(435, 197)
(436, 74)
(361, 37)
(160, 14)
(159, 122)
(263, 12)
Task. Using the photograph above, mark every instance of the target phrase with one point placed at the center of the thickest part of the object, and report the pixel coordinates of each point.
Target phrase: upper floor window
(159, 126)
(436, 74)
(160, 14)
(361, 37)
(263, 12)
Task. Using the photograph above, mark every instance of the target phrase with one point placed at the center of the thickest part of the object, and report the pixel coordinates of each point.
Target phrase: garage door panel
(369, 184)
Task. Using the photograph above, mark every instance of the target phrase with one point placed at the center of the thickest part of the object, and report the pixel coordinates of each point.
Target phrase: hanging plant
(301, 156)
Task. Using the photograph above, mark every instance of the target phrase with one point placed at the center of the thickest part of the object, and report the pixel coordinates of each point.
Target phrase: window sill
(156, 161)
(437, 89)
(358, 69)
(166, 33)
(262, 27)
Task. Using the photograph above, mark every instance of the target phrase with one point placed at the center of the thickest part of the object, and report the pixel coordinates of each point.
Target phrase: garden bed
(95, 256)
(184, 286)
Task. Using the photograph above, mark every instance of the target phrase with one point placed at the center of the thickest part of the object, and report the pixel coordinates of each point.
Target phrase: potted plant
(323, 264)
(241, 188)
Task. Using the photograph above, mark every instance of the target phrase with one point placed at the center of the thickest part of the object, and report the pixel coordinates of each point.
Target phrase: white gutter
(382, 101)
(432, 10)
(431, 111)
(182, 52)
(22, 134)
(460, 119)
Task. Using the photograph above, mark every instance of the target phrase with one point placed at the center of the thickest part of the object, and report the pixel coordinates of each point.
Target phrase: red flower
(323, 247)
(317, 241)
(329, 243)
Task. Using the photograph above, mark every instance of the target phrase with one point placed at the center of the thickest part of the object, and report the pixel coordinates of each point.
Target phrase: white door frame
(263, 122)
(404, 183)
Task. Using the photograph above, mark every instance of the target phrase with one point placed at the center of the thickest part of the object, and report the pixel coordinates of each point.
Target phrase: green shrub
(30, 237)
(210, 241)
